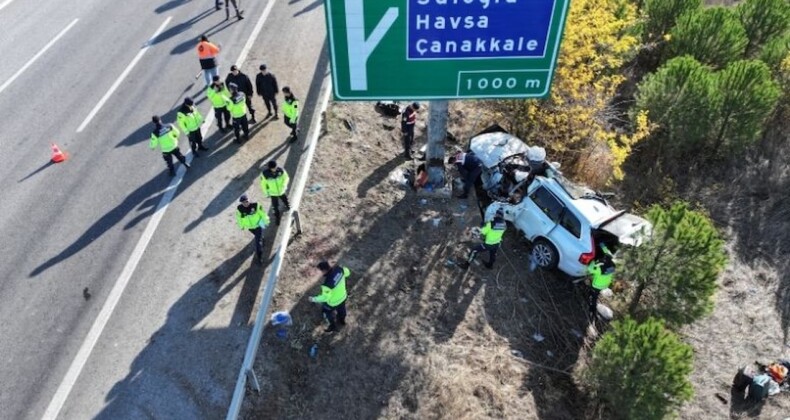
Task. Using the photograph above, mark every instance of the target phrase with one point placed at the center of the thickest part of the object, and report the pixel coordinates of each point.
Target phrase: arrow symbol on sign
(359, 48)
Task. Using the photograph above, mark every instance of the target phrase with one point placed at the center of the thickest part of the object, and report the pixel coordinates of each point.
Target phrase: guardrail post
(297, 221)
(251, 378)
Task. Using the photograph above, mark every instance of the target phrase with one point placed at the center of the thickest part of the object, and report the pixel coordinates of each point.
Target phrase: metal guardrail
(247, 373)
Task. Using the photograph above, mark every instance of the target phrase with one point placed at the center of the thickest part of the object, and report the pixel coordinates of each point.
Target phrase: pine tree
(681, 99)
(763, 21)
(713, 36)
(640, 371)
(661, 15)
(673, 273)
(748, 98)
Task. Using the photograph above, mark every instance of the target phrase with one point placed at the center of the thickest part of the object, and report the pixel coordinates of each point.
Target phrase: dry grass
(424, 340)
(428, 341)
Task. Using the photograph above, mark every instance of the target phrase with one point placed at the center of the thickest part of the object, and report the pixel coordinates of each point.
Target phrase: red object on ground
(57, 155)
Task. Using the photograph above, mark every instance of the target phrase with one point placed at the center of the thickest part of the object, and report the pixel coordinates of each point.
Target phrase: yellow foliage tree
(577, 122)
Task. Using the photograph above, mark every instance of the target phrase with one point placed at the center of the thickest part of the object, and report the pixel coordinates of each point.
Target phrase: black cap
(415, 105)
(189, 101)
(215, 78)
(243, 198)
(203, 38)
(323, 266)
(272, 164)
(156, 120)
(262, 67)
(286, 89)
(233, 67)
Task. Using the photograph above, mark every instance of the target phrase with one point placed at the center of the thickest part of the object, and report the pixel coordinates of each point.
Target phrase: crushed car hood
(492, 148)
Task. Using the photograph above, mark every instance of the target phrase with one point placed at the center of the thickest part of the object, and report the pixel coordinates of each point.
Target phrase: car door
(541, 213)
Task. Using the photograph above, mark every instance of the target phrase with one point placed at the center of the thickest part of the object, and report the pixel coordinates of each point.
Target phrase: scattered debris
(576, 333)
(398, 176)
(538, 337)
(314, 351)
(721, 398)
(315, 188)
(449, 263)
(517, 353)
(549, 353)
(423, 201)
(388, 108)
(436, 221)
(350, 125)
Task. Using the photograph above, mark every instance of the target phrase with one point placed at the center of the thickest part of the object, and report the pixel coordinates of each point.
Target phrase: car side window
(571, 224)
(547, 203)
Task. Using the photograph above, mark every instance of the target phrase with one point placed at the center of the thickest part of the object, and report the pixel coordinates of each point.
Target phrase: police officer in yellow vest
(166, 138)
(492, 233)
(237, 105)
(274, 182)
(290, 109)
(333, 294)
(218, 95)
(601, 271)
(251, 217)
(189, 119)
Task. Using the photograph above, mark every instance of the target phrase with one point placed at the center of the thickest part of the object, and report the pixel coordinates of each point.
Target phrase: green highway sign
(443, 49)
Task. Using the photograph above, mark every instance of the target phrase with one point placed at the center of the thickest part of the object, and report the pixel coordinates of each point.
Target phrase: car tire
(545, 254)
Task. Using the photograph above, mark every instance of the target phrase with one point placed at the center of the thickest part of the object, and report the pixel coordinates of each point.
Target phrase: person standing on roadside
(266, 85)
(291, 112)
(274, 182)
(244, 84)
(166, 138)
(408, 119)
(189, 119)
(207, 54)
(250, 216)
(218, 95)
(237, 105)
(239, 13)
(333, 294)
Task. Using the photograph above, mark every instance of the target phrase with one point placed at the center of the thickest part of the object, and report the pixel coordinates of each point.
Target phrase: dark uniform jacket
(266, 85)
(242, 82)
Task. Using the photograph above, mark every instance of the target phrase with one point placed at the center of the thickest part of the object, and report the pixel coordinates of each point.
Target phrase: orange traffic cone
(57, 155)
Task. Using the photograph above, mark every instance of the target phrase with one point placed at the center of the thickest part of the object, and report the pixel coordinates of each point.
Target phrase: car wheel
(545, 254)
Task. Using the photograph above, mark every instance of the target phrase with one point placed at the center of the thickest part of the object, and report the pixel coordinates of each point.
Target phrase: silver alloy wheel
(543, 254)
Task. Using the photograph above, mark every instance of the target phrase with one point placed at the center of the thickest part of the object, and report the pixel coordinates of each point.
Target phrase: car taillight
(587, 257)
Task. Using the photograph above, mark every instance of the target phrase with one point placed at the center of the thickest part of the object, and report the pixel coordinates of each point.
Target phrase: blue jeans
(208, 75)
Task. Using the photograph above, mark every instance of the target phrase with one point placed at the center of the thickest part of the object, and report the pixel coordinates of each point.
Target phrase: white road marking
(5, 3)
(122, 76)
(39, 54)
(63, 391)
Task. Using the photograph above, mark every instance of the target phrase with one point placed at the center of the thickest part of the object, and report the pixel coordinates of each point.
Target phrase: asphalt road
(172, 346)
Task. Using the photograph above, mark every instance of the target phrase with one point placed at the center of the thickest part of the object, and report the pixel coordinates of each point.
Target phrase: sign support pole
(437, 132)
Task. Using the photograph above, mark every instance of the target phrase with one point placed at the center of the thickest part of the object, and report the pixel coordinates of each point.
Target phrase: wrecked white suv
(566, 223)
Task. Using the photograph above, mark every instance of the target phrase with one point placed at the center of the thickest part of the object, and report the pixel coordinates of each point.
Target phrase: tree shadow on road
(157, 385)
(350, 362)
